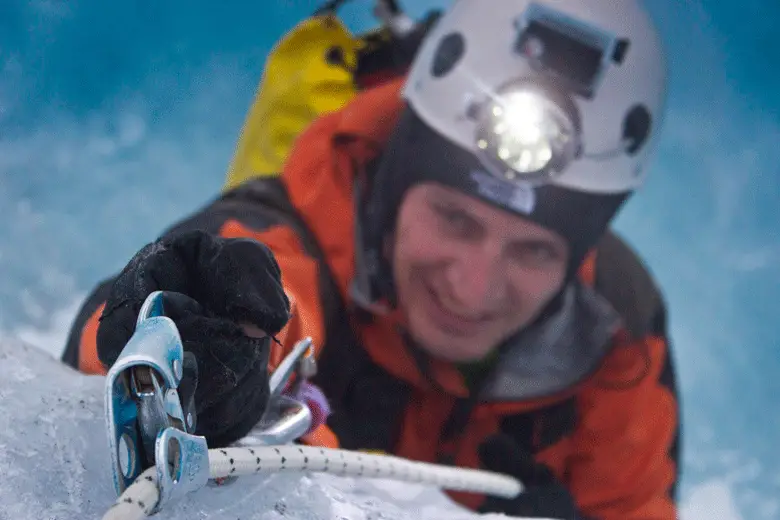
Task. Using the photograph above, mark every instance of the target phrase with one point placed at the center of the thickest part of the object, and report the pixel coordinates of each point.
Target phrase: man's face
(467, 274)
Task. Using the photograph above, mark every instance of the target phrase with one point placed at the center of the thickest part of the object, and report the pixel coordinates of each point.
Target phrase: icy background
(117, 118)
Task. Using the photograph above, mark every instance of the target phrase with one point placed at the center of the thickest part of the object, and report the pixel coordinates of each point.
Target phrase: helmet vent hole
(636, 128)
(449, 52)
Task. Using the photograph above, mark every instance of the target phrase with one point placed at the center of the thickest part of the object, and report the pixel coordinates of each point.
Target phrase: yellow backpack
(316, 68)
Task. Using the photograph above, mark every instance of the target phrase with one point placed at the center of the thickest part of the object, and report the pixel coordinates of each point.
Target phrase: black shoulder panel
(624, 280)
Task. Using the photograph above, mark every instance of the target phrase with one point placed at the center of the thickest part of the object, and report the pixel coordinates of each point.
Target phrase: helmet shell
(472, 53)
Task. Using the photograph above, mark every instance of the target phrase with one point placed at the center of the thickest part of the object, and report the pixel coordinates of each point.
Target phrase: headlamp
(531, 131)
(523, 133)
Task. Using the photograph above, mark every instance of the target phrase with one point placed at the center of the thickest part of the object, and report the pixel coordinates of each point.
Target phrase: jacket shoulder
(627, 283)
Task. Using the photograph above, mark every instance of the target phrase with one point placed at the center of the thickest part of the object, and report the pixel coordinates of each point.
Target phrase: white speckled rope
(140, 498)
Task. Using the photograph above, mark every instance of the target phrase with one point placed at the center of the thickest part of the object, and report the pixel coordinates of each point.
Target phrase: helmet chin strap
(371, 287)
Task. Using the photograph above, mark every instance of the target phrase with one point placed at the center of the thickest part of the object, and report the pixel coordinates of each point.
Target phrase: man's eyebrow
(442, 197)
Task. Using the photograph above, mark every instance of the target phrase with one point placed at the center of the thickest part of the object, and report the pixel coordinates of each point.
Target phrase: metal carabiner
(145, 420)
(143, 412)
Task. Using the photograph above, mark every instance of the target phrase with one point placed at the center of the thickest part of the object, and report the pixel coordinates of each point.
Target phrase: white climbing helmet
(563, 92)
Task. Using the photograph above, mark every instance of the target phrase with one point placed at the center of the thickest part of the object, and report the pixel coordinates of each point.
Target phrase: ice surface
(54, 462)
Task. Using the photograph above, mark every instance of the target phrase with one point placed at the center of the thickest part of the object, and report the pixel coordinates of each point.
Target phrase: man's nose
(477, 279)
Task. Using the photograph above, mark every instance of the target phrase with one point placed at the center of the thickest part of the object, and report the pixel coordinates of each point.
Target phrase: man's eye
(456, 219)
(536, 254)
(458, 222)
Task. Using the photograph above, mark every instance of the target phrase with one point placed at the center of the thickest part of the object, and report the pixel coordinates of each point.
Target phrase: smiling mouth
(449, 321)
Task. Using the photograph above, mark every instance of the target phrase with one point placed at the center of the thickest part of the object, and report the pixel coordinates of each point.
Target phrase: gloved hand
(215, 289)
(543, 497)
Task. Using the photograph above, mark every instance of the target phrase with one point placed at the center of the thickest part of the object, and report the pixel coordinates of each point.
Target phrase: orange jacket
(611, 436)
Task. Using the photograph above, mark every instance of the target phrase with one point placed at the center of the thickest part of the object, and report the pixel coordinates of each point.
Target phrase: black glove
(212, 285)
(543, 497)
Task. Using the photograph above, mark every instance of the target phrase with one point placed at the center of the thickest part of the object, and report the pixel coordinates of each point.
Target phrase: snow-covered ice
(54, 462)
